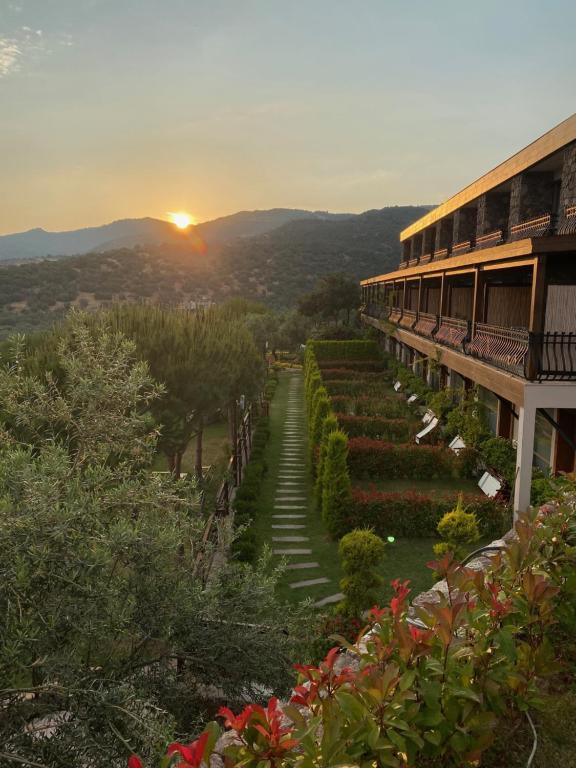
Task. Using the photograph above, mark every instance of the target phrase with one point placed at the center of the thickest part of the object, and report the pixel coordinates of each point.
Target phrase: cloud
(10, 53)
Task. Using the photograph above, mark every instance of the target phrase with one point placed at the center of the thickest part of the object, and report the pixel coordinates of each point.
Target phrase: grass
(215, 447)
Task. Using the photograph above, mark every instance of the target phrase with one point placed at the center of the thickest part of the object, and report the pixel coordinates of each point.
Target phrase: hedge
(410, 514)
(366, 366)
(344, 350)
(373, 388)
(377, 427)
(388, 406)
(335, 374)
(378, 459)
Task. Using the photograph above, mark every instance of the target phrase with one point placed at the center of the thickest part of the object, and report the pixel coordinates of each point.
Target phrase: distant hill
(275, 266)
(127, 233)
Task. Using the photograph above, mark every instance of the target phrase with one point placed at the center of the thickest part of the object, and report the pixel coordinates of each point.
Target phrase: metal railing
(442, 253)
(409, 317)
(426, 324)
(459, 248)
(453, 332)
(506, 348)
(490, 239)
(540, 226)
(378, 310)
(552, 356)
(395, 314)
(568, 226)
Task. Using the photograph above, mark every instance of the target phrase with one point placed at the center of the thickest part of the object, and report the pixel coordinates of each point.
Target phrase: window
(490, 403)
(542, 442)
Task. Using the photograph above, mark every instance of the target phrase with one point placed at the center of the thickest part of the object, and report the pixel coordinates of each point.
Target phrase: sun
(181, 219)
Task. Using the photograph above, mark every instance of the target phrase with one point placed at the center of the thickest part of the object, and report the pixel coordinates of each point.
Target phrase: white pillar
(524, 457)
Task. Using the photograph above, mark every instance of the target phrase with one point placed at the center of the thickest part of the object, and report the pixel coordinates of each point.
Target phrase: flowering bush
(426, 694)
(418, 514)
(376, 458)
(376, 427)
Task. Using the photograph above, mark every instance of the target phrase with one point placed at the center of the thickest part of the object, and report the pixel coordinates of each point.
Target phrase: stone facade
(444, 234)
(493, 211)
(532, 195)
(568, 190)
(464, 225)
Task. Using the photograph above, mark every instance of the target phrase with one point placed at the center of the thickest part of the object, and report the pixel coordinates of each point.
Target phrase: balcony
(568, 226)
(395, 314)
(490, 240)
(408, 319)
(452, 332)
(553, 356)
(536, 227)
(443, 253)
(506, 348)
(461, 248)
(378, 310)
(426, 324)
(426, 258)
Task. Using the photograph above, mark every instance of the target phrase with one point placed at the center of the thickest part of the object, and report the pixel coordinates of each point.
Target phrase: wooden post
(444, 295)
(478, 304)
(537, 312)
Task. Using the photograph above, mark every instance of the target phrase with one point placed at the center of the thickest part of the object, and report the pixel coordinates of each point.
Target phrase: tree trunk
(171, 459)
(199, 438)
(177, 465)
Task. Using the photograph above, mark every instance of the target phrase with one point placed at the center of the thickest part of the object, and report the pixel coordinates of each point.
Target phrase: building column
(524, 457)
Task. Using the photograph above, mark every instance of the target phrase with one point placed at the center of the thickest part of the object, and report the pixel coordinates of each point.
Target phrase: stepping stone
(289, 517)
(288, 527)
(301, 566)
(289, 506)
(289, 499)
(309, 582)
(329, 600)
(291, 482)
(291, 551)
(289, 539)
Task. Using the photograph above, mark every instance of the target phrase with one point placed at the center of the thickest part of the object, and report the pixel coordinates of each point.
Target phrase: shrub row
(366, 366)
(371, 388)
(376, 458)
(247, 495)
(410, 514)
(344, 350)
(389, 406)
(377, 427)
(335, 374)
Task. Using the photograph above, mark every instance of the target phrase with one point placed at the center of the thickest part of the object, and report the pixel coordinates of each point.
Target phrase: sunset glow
(181, 219)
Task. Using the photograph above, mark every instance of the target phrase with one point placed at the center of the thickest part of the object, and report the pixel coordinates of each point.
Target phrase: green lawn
(216, 446)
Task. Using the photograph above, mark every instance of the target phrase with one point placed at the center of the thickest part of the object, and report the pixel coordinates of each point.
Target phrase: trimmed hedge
(378, 459)
(372, 388)
(376, 427)
(365, 366)
(409, 514)
(389, 406)
(335, 374)
(344, 350)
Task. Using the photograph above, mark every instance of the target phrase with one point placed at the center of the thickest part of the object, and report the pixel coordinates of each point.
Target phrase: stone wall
(532, 195)
(568, 188)
(493, 211)
(464, 225)
(444, 230)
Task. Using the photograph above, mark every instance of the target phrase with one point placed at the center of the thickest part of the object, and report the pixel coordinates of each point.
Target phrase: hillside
(275, 267)
(127, 233)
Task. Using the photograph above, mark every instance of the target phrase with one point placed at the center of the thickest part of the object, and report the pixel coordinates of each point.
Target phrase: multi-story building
(486, 287)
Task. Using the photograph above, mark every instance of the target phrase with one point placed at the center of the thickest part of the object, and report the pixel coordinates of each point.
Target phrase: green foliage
(499, 455)
(373, 459)
(392, 430)
(546, 488)
(361, 552)
(112, 610)
(329, 425)
(458, 527)
(344, 350)
(412, 514)
(336, 494)
(468, 419)
(388, 407)
(320, 410)
(334, 294)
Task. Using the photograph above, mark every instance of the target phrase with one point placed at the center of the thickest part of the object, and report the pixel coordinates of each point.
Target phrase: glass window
(542, 441)
(490, 403)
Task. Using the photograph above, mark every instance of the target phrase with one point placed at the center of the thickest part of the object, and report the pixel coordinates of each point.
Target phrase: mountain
(276, 266)
(127, 233)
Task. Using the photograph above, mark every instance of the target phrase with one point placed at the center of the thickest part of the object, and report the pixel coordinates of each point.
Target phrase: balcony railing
(552, 356)
(413, 262)
(453, 332)
(441, 254)
(536, 227)
(408, 318)
(395, 314)
(426, 324)
(568, 226)
(460, 248)
(504, 347)
(426, 258)
(378, 310)
(490, 239)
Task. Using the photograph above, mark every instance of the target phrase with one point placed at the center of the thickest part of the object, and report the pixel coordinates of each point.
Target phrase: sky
(113, 109)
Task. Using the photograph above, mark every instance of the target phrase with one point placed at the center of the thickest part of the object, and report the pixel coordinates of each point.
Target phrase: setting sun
(181, 219)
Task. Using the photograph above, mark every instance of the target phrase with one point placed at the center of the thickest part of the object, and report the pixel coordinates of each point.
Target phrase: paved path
(292, 533)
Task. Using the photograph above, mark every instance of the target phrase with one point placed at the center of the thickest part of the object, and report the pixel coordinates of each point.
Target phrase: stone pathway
(292, 500)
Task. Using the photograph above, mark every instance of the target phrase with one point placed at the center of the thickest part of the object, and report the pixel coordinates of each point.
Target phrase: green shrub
(322, 409)
(361, 552)
(468, 419)
(499, 455)
(457, 528)
(336, 494)
(329, 425)
(344, 350)
(378, 459)
(378, 428)
(388, 406)
(410, 514)
(360, 387)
